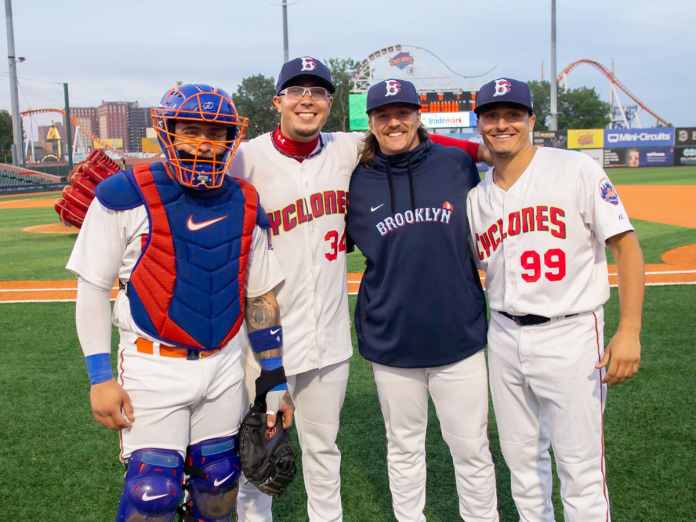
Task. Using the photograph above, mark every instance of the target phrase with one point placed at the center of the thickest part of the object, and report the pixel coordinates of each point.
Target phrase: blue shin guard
(213, 467)
(152, 489)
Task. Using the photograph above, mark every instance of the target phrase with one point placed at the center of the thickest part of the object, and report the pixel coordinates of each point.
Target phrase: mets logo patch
(608, 192)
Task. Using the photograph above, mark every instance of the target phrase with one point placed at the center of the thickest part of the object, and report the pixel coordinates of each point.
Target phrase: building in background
(87, 121)
(138, 122)
(113, 120)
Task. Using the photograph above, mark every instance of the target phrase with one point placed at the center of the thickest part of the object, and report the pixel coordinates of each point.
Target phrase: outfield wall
(650, 147)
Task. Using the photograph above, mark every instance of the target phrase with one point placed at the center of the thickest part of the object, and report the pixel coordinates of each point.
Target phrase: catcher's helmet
(204, 104)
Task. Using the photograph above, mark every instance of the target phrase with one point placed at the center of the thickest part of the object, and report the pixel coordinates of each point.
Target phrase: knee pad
(153, 486)
(213, 467)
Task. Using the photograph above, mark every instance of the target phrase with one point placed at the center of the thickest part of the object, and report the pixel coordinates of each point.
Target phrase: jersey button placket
(505, 251)
(309, 237)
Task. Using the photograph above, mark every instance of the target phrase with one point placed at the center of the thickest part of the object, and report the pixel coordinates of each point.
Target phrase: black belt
(531, 319)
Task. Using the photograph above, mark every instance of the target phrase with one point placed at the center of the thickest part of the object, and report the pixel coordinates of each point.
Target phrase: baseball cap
(504, 90)
(304, 66)
(388, 92)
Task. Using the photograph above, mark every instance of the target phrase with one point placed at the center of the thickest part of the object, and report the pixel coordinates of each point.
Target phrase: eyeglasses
(296, 92)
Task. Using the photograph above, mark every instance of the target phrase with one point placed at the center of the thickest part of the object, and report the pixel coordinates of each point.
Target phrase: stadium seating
(17, 179)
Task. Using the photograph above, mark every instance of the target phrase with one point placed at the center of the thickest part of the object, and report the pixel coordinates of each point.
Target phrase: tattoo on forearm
(269, 354)
(262, 312)
(288, 400)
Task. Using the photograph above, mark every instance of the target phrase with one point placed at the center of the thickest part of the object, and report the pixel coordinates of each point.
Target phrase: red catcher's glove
(83, 181)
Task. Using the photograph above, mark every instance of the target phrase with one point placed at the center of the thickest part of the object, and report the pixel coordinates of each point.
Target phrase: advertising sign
(149, 145)
(596, 154)
(545, 139)
(685, 136)
(585, 138)
(448, 120)
(615, 158)
(108, 143)
(656, 157)
(357, 117)
(658, 137)
(685, 156)
(639, 157)
(402, 60)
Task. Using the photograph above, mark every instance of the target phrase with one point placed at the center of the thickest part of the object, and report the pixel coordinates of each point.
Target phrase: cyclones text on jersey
(298, 212)
(539, 218)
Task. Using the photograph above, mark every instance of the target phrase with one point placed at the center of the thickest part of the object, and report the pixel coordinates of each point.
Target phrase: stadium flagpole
(17, 148)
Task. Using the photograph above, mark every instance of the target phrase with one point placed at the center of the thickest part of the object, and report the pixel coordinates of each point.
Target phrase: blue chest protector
(188, 287)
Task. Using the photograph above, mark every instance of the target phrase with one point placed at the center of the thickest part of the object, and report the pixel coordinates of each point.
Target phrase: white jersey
(110, 243)
(306, 203)
(542, 242)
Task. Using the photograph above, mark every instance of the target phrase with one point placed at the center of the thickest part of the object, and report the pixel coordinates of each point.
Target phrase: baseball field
(59, 465)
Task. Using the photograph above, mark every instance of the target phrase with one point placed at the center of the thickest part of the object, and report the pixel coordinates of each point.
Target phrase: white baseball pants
(460, 394)
(177, 402)
(547, 393)
(318, 396)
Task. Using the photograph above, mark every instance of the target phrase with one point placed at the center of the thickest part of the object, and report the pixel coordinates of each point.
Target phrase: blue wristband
(266, 339)
(98, 367)
(271, 363)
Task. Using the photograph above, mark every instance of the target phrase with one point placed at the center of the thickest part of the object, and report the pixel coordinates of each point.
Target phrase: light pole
(17, 146)
(68, 127)
(286, 52)
(553, 116)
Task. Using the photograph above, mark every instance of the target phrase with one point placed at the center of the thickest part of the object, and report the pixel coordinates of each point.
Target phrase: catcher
(188, 248)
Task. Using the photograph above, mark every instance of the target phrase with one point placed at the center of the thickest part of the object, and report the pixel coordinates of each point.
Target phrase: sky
(136, 49)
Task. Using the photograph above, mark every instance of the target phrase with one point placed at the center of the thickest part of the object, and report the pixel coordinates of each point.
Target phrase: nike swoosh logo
(193, 226)
(273, 332)
(373, 209)
(217, 482)
(147, 498)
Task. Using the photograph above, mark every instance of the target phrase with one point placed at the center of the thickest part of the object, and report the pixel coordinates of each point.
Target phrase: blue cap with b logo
(504, 90)
(388, 92)
(304, 67)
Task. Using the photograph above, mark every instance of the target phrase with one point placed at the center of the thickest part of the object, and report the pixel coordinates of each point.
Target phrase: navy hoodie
(420, 302)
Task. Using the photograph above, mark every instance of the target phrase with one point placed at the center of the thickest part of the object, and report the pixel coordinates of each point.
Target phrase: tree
(541, 101)
(342, 70)
(577, 108)
(253, 99)
(6, 138)
(583, 109)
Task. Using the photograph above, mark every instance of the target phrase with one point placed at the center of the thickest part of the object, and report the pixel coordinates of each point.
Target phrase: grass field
(653, 176)
(59, 465)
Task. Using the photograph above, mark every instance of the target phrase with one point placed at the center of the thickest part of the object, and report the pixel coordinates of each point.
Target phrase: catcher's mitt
(268, 463)
(83, 181)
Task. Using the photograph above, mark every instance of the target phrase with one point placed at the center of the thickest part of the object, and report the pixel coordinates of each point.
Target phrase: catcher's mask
(198, 104)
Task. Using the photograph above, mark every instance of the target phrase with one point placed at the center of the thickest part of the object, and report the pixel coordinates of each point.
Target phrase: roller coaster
(622, 116)
(81, 144)
(429, 72)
